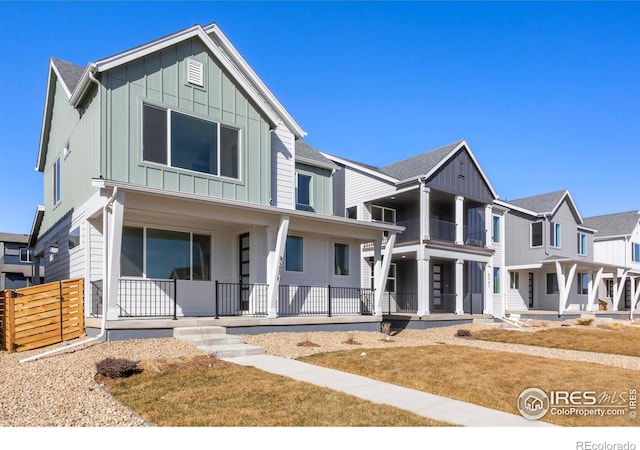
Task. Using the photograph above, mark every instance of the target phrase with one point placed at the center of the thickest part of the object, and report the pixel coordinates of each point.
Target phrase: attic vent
(195, 72)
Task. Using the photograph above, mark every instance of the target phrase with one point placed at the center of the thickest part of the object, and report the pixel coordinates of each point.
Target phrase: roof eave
(35, 226)
(360, 167)
(316, 163)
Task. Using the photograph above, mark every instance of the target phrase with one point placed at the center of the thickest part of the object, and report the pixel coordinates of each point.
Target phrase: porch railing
(240, 299)
(324, 301)
(147, 298)
(402, 303)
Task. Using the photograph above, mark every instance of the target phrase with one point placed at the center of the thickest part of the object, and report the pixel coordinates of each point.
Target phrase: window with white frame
(73, 240)
(583, 283)
(496, 280)
(187, 142)
(582, 244)
(26, 256)
(341, 259)
(303, 189)
(495, 231)
(165, 254)
(514, 280)
(390, 285)
(636, 252)
(383, 214)
(56, 181)
(554, 234)
(294, 254)
(536, 234)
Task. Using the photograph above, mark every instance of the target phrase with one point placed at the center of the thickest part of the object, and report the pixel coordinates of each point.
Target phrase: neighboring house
(617, 242)
(176, 184)
(451, 251)
(550, 256)
(16, 262)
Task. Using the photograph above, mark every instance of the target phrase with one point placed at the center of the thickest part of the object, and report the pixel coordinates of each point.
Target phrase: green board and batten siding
(321, 187)
(82, 135)
(159, 78)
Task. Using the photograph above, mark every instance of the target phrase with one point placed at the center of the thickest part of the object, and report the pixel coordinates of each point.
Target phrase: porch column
(564, 286)
(488, 225)
(381, 269)
(424, 212)
(634, 296)
(594, 284)
(618, 288)
(459, 286)
(274, 266)
(424, 291)
(459, 219)
(113, 248)
(487, 295)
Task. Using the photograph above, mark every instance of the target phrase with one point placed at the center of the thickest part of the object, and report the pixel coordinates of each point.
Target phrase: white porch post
(594, 283)
(423, 284)
(487, 273)
(377, 285)
(488, 225)
(459, 286)
(425, 233)
(383, 272)
(113, 249)
(459, 219)
(619, 288)
(274, 266)
(564, 286)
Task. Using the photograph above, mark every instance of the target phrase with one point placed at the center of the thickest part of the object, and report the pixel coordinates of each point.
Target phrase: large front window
(188, 142)
(165, 254)
(294, 254)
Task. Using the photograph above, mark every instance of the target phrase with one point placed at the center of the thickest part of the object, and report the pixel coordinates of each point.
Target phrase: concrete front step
(232, 350)
(180, 332)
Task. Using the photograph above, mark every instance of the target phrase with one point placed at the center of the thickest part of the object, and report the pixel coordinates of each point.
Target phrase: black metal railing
(443, 303)
(96, 298)
(147, 298)
(401, 303)
(324, 301)
(240, 299)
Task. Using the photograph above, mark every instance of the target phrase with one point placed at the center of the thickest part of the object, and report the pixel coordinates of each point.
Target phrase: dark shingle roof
(419, 164)
(310, 154)
(613, 224)
(542, 203)
(70, 73)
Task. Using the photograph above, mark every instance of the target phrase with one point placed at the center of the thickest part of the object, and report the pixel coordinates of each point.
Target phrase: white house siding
(283, 168)
(359, 186)
(517, 299)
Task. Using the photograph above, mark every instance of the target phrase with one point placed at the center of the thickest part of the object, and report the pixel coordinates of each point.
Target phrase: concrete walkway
(418, 402)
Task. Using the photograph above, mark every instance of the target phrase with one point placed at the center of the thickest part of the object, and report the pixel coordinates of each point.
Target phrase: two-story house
(178, 186)
(550, 256)
(16, 263)
(450, 252)
(617, 242)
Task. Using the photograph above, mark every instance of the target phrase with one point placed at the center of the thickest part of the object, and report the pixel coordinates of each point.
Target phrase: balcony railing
(474, 236)
(442, 230)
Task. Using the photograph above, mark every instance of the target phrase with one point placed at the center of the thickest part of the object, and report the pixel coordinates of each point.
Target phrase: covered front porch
(156, 255)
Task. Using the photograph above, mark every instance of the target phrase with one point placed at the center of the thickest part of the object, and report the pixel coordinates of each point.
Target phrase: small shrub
(584, 322)
(307, 343)
(351, 340)
(463, 333)
(386, 328)
(117, 367)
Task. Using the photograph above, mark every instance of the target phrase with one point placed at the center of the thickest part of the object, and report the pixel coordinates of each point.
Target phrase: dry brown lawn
(208, 392)
(489, 378)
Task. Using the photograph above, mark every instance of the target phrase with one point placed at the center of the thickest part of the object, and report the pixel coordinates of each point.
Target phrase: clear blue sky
(546, 94)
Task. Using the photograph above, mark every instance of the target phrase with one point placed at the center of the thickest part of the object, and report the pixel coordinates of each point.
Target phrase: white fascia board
(35, 226)
(583, 228)
(240, 62)
(315, 163)
(390, 194)
(524, 267)
(378, 226)
(361, 168)
(45, 116)
(611, 238)
(464, 144)
(519, 209)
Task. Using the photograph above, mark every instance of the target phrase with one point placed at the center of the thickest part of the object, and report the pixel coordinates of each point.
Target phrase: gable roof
(306, 154)
(545, 204)
(78, 85)
(617, 224)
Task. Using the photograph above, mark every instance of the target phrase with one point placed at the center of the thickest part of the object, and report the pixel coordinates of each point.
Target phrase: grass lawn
(488, 378)
(616, 339)
(208, 392)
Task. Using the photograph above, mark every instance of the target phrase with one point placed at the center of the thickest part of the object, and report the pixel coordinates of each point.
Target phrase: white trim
(360, 167)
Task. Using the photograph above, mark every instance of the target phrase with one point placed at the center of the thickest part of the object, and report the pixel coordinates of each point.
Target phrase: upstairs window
(495, 231)
(188, 142)
(636, 252)
(582, 244)
(554, 234)
(383, 214)
(536, 234)
(25, 255)
(303, 190)
(56, 181)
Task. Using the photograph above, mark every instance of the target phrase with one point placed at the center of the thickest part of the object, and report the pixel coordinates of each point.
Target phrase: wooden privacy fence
(41, 315)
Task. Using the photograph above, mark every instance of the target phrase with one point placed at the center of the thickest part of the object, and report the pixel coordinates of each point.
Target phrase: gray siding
(160, 79)
(460, 176)
(82, 134)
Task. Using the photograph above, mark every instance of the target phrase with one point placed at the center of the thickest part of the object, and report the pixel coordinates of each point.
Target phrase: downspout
(103, 325)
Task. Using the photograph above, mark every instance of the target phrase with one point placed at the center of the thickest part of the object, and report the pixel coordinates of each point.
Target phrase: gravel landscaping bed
(60, 390)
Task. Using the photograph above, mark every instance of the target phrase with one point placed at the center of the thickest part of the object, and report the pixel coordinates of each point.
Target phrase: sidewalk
(420, 403)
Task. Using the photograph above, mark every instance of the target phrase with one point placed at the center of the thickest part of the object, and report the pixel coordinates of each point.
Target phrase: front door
(244, 271)
(437, 287)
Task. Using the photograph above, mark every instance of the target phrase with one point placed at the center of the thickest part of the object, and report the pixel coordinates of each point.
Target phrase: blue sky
(547, 94)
